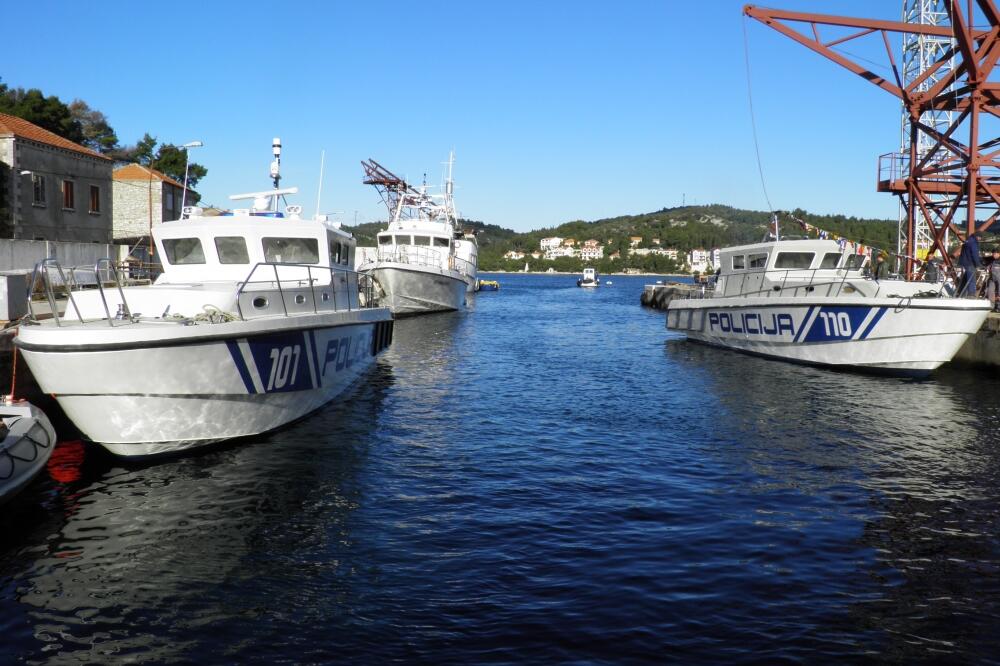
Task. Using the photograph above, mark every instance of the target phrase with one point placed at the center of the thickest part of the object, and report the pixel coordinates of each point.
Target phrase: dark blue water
(548, 477)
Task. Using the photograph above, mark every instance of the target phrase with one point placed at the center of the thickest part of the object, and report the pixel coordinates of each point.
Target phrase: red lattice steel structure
(961, 173)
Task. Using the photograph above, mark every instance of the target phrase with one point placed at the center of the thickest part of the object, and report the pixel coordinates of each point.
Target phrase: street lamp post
(187, 148)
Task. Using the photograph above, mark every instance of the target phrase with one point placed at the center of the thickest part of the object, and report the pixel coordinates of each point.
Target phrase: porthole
(326, 295)
(299, 299)
(260, 302)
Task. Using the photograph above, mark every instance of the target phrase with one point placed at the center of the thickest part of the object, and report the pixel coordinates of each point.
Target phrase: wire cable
(753, 120)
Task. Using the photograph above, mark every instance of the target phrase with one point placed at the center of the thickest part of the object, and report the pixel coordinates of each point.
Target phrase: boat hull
(139, 396)
(906, 336)
(25, 447)
(412, 290)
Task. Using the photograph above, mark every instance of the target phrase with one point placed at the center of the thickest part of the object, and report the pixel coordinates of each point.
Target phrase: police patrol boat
(257, 320)
(809, 301)
(26, 443)
(423, 261)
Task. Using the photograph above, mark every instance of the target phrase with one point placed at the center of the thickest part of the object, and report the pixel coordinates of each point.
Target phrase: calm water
(548, 477)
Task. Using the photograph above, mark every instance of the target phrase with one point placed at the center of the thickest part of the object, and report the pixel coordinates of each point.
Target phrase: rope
(214, 315)
(753, 120)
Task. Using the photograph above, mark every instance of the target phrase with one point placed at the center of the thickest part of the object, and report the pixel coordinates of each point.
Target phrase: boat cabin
(227, 247)
(803, 265)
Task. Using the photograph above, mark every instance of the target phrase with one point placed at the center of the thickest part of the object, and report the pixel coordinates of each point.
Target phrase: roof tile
(21, 128)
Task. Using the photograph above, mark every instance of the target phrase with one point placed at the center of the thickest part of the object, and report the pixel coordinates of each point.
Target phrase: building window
(37, 189)
(95, 199)
(67, 191)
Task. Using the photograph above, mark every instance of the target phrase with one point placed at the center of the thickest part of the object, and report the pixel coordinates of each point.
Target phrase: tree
(171, 160)
(141, 152)
(97, 132)
(46, 112)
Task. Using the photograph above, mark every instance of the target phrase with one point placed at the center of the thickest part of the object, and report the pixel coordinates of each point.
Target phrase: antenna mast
(926, 61)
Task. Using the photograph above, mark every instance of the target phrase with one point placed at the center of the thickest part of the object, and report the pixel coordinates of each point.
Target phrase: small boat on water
(809, 301)
(424, 262)
(488, 285)
(257, 320)
(589, 279)
(26, 445)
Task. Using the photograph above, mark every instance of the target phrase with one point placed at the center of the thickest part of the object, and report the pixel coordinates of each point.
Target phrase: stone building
(51, 189)
(145, 197)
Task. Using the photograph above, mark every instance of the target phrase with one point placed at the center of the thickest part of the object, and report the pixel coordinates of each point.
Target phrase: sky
(556, 111)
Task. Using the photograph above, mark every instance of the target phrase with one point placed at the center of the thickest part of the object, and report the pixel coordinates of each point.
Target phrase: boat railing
(329, 289)
(50, 278)
(344, 290)
(785, 282)
(421, 255)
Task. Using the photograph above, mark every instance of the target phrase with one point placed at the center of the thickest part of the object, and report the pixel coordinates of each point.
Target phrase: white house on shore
(550, 243)
(51, 189)
(561, 251)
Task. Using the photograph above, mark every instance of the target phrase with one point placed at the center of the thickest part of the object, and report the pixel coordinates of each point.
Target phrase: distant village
(698, 260)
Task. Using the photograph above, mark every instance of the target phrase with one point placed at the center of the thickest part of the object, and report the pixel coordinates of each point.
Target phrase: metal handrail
(43, 279)
(334, 273)
(420, 255)
(42, 270)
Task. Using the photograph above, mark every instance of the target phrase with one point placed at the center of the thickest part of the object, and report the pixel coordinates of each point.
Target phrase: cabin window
(854, 262)
(739, 262)
(758, 260)
(181, 251)
(830, 260)
(291, 250)
(335, 251)
(232, 250)
(794, 259)
(403, 240)
(421, 240)
(385, 240)
(440, 242)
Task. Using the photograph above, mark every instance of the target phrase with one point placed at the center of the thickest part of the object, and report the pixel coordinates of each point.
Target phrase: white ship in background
(423, 262)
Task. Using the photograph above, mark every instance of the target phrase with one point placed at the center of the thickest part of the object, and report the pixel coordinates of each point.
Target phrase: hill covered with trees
(683, 228)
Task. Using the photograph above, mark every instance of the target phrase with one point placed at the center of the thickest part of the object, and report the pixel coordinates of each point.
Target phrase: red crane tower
(962, 170)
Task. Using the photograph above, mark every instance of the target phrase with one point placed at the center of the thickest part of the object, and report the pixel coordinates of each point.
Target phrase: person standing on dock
(993, 280)
(931, 271)
(881, 270)
(968, 259)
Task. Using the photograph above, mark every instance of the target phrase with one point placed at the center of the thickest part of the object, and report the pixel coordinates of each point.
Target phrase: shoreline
(670, 275)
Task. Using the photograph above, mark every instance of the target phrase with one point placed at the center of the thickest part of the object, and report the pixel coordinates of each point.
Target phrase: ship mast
(393, 189)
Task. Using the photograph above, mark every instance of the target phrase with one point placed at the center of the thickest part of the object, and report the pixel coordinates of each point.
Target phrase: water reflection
(891, 484)
(132, 556)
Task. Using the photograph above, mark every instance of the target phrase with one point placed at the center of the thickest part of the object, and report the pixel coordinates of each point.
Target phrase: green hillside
(684, 228)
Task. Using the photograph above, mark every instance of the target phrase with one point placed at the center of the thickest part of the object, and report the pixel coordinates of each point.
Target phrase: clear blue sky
(556, 110)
